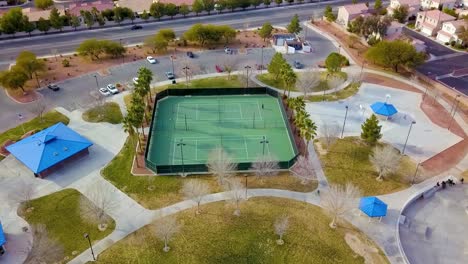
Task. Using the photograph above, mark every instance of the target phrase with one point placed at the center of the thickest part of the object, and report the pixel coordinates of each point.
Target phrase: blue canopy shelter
(373, 207)
(2, 237)
(384, 109)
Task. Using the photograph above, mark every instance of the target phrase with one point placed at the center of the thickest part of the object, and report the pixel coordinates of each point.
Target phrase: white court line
(173, 153)
(259, 111)
(246, 150)
(177, 113)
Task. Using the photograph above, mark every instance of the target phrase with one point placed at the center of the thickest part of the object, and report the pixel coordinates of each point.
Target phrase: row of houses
(429, 19)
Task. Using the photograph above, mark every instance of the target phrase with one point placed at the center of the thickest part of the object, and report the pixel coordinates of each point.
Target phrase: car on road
(170, 75)
(227, 50)
(190, 54)
(112, 89)
(104, 91)
(151, 60)
(53, 87)
(135, 80)
(218, 68)
(297, 64)
(136, 27)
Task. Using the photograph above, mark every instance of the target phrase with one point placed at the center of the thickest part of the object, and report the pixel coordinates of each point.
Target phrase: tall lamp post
(86, 235)
(97, 84)
(20, 117)
(406, 141)
(344, 122)
(264, 142)
(186, 69)
(181, 144)
(247, 68)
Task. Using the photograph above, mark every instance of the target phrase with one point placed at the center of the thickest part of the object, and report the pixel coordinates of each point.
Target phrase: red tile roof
(75, 9)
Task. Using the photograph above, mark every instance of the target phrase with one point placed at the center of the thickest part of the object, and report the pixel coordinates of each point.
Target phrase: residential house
(438, 4)
(137, 6)
(413, 6)
(430, 22)
(76, 8)
(35, 14)
(176, 2)
(450, 30)
(349, 12)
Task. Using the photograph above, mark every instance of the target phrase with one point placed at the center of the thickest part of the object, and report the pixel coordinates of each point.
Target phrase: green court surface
(193, 126)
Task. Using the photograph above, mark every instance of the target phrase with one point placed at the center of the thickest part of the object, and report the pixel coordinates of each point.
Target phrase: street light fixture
(406, 141)
(247, 68)
(344, 122)
(264, 141)
(172, 60)
(181, 144)
(86, 235)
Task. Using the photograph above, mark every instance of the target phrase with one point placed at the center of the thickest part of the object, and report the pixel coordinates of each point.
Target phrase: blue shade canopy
(373, 206)
(2, 236)
(384, 109)
(48, 147)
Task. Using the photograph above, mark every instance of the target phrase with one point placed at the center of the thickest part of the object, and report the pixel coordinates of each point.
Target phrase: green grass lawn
(217, 236)
(48, 119)
(108, 112)
(322, 86)
(347, 160)
(59, 212)
(348, 91)
(166, 190)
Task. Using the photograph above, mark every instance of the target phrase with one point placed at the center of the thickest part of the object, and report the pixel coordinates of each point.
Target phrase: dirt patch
(364, 248)
(385, 81)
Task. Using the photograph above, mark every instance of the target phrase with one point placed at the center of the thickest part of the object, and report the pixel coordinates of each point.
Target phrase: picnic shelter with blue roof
(373, 207)
(47, 150)
(384, 109)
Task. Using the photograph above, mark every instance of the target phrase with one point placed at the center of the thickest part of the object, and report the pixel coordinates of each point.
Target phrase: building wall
(62, 164)
(343, 16)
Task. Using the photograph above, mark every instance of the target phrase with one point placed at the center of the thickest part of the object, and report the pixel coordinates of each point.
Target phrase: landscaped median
(347, 160)
(61, 237)
(347, 92)
(218, 236)
(107, 112)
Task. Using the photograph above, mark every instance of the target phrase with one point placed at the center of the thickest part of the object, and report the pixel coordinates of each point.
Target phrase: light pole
(406, 141)
(247, 68)
(97, 84)
(453, 116)
(261, 65)
(264, 141)
(344, 122)
(339, 49)
(326, 80)
(86, 235)
(181, 144)
(186, 69)
(415, 173)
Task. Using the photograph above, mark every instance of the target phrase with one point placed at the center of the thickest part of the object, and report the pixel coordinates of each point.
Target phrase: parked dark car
(297, 64)
(190, 54)
(53, 87)
(136, 27)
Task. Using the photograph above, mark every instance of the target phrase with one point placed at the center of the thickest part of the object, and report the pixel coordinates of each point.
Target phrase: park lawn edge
(110, 113)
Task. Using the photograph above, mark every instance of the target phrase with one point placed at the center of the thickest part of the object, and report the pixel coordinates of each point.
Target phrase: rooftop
(136, 5)
(75, 8)
(356, 9)
(409, 2)
(35, 14)
(437, 15)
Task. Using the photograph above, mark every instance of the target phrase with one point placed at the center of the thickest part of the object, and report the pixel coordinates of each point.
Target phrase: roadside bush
(94, 48)
(446, 43)
(66, 63)
(334, 62)
(452, 43)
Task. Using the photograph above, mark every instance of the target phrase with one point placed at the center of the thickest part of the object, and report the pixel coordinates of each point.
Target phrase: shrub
(66, 63)
(452, 43)
(446, 43)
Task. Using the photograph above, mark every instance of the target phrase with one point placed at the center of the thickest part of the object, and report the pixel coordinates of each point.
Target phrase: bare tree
(195, 190)
(236, 191)
(354, 76)
(96, 210)
(386, 160)
(165, 229)
(43, 248)
(334, 82)
(188, 69)
(281, 226)
(220, 165)
(38, 108)
(304, 170)
(230, 64)
(307, 81)
(329, 133)
(338, 200)
(265, 166)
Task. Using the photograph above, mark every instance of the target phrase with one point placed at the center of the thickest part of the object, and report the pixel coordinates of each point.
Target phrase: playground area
(186, 129)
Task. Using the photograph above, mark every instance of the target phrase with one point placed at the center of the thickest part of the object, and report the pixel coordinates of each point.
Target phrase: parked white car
(104, 91)
(151, 60)
(112, 89)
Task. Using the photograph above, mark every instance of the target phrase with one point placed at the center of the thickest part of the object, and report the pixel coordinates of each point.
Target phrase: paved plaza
(395, 129)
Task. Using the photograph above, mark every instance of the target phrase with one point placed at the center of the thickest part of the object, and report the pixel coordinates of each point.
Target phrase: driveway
(394, 130)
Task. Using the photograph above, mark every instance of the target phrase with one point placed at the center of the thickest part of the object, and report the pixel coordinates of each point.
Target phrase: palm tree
(145, 77)
(137, 111)
(308, 130)
(128, 128)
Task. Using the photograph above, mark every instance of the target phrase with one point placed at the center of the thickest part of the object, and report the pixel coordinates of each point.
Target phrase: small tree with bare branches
(100, 203)
(38, 108)
(304, 170)
(330, 133)
(334, 82)
(281, 226)
(43, 248)
(236, 192)
(265, 166)
(338, 200)
(221, 165)
(195, 190)
(307, 81)
(386, 160)
(23, 193)
(165, 229)
(230, 64)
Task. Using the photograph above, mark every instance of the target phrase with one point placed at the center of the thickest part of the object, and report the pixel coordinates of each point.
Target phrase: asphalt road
(432, 47)
(67, 42)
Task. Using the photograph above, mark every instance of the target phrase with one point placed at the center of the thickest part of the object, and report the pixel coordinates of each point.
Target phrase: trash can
(173, 82)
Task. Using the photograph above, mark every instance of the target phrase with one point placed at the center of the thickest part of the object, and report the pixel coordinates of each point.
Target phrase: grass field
(269, 79)
(166, 190)
(347, 160)
(348, 91)
(108, 112)
(216, 236)
(237, 123)
(59, 212)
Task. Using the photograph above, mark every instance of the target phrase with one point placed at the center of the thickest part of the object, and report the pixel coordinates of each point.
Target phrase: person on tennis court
(262, 106)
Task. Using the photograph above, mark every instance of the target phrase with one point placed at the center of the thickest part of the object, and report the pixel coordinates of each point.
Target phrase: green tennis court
(187, 128)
